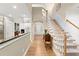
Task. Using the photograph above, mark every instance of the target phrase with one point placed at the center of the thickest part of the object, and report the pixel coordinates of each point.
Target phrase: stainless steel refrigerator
(1, 28)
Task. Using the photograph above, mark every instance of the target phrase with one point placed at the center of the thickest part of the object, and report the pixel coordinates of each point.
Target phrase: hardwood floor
(38, 48)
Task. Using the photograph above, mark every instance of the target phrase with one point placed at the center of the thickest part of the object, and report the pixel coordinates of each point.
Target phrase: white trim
(8, 43)
(27, 49)
(57, 53)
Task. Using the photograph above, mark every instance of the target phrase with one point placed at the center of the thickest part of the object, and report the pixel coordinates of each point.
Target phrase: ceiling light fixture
(14, 7)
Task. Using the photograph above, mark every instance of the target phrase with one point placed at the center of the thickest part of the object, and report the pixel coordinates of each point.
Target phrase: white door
(39, 28)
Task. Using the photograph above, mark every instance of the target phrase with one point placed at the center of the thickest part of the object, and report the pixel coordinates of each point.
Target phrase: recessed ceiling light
(14, 7)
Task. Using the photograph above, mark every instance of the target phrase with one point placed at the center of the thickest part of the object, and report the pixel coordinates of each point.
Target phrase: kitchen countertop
(7, 42)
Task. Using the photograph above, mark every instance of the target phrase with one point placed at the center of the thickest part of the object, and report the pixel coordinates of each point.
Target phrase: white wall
(60, 20)
(67, 27)
(39, 28)
(71, 29)
(39, 19)
(26, 26)
(8, 28)
(37, 13)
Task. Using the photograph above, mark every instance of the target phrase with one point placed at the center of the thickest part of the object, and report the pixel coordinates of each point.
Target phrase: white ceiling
(71, 7)
(38, 5)
(20, 10)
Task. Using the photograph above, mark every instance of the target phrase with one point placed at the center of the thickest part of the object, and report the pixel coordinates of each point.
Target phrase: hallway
(30, 29)
(38, 48)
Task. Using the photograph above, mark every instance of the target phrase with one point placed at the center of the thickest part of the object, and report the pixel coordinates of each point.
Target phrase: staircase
(58, 42)
(72, 48)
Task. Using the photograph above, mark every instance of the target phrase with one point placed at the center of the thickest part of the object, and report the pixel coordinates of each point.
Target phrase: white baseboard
(57, 52)
(27, 49)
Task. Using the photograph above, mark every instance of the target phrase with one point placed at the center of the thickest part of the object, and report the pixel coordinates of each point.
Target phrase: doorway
(39, 28)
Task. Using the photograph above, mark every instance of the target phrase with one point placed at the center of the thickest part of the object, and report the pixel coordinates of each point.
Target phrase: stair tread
(73, 51)
(67, 44)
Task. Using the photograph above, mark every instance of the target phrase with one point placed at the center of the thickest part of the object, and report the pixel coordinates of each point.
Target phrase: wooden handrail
(65, 44)
(65, 38)
(72, 24)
